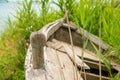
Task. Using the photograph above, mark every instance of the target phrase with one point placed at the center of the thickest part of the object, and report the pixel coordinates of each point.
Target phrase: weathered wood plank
(90, 76)
(115, 66)
(49, 29)
(91, 57)
(96, 40)
(93, 38)
(30, 73)
(65, 62)
(79, 62)
(38, 40)
(51, 64)
(52, 67)
(68, 25)
(66, 48)
(87, 54)
(61, 69)
(78, 51)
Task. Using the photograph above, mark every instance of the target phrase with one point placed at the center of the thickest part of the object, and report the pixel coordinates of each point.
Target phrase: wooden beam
(96, 40)
(68, 25)
(89, 36)
(93, 38)
(38, 40)
(91, 76)
(30, 72)
(49, 29)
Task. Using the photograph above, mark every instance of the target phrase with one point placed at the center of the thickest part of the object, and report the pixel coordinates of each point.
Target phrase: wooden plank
(79, 62)
(68, 25)
(49, 29)
(38, 40)
(78, 51)
(90, 76)
(54, 69)
(55, 44)
(30, 73)
(90, 58)
(37, 43)
(51, 64)
(66, 62)
(92, 38)
(87, 54)
(115, 66)
(65, 48)
(36, 75)
(96, 40)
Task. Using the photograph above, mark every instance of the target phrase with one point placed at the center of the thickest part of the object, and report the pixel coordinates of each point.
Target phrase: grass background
(91, 15)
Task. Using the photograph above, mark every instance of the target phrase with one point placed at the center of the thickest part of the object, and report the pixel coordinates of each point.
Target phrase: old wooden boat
(56, 53)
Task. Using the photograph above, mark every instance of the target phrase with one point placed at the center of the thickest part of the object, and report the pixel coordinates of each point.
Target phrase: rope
(100, 72)
(71, 41)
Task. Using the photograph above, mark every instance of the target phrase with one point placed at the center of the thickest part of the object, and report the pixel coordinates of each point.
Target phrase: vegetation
(99, 17)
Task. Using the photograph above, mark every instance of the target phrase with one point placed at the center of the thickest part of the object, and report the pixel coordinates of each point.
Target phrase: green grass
(85, 13)
(12, 42)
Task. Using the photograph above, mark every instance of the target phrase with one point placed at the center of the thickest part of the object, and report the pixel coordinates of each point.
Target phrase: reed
(85, 13)
(14, 37)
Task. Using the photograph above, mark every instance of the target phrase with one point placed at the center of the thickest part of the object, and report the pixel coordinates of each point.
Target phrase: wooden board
(90, 76)
(91, 59)
(74, 29)
(38, 40)
(30, 73)
(50, 28)
(63, 47)
(78, 60)
(93, 38)
(59, 66)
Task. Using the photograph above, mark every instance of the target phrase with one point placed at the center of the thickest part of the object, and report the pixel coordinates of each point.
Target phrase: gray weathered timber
(49, 29)
(55, 44)
(54, 69)
(90, 36)
(94, 39)
(59, 66)
(90, 76)
(30, 72)
(38, 40)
